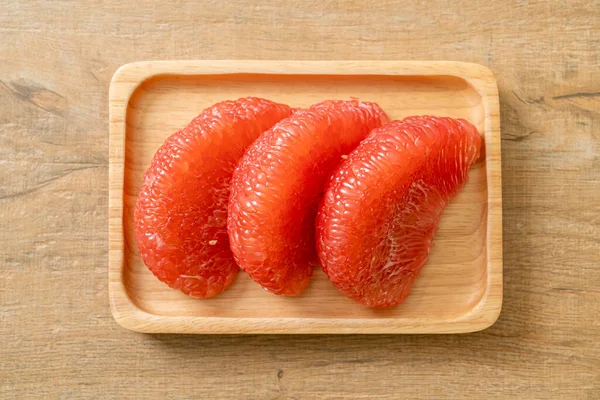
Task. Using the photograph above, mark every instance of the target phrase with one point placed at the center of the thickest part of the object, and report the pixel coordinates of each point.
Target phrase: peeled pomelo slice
(181, 211)
(278, 184)
(382, 207)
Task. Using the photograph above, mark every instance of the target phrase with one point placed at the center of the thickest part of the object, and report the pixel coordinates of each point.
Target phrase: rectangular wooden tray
(459, 290)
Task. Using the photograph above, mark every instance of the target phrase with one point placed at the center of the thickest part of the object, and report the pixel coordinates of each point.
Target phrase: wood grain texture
(460, 290)
(57, 337)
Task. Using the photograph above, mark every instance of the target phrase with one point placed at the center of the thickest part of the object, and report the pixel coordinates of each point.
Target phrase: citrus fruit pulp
(181, 211)
(382, 207)
(278, 184)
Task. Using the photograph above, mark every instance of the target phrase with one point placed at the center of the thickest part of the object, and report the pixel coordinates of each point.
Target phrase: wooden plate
(459, 290)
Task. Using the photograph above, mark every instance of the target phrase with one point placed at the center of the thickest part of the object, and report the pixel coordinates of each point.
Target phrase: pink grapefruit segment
(181, 211)
(376, 224)
(278, 184)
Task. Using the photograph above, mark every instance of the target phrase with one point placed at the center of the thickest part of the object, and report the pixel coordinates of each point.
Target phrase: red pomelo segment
(181, 211)
(278, 184)
(383, 205)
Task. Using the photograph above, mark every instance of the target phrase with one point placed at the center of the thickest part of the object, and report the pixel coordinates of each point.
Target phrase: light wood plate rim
(130, 76)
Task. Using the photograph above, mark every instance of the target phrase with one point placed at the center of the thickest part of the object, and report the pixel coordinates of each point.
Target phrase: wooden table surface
(57, 336)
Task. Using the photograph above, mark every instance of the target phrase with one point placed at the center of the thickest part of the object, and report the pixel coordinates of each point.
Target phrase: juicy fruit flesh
(181, 211)
(382, 208)
(278, 184)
